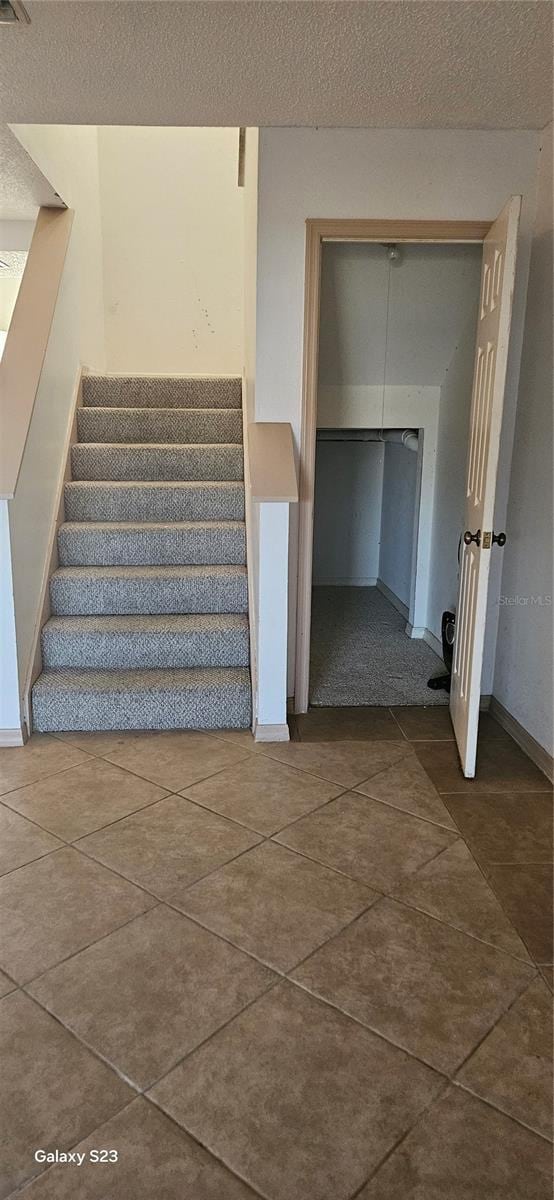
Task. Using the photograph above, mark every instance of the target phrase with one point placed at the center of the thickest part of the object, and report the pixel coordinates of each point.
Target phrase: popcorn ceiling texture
(149, 625)
(441, 65)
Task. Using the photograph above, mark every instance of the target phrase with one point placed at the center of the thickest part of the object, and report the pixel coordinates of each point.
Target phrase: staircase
(149, 625)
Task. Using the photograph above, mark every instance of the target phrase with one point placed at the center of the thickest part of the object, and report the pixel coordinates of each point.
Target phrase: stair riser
(125, 651)
(159, 425)
(150, 547)
(137, 392)
(226, 708)
(124, 462)
(220, 502)
(113, 597)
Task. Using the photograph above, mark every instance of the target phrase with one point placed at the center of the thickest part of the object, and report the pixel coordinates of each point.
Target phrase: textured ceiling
(23, 187)
(12, 263)
(460, 64)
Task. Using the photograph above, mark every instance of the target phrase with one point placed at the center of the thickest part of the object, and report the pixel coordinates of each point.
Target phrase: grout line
(49, 775)
(504, 1112)
(456, 928)
(454, 830)
(521, 992)
(203, 1146)
(437, 1099)
(27, 982)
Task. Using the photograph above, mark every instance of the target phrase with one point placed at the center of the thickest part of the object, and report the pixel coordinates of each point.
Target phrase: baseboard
(51, 561)
(432, 641)
(12, 737)
(393, 599)
(415, 631)
(358, 581)
(272, 733)
(249, 529)
(537, 753)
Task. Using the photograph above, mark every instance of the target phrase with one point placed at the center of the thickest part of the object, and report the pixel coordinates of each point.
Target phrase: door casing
(318, 231)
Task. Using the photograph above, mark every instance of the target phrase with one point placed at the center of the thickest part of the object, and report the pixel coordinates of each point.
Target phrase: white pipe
(404, 437)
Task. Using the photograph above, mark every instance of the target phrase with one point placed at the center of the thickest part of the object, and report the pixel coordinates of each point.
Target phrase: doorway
(388, 376)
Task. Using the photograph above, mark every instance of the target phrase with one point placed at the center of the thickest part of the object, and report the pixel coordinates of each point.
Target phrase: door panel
(489, 379)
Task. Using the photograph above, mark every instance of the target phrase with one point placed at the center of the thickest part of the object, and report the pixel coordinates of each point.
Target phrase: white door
(487, 403)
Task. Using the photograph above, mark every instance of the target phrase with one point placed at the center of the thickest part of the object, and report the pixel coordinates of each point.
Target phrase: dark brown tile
(433, 723)
(452, 888)
(169, 845)
(407, 786)
(53, 1091)
(262, 794)
(463, 1150)
(427, 987)
(21, 841)
(56, 906)
(275, 904)
(40, 756)
(525, 893)
(509, 827)
(345, 762)
(150, 992)
(297, 1099)
(346, 724)
(170, 758)
(501, 767)
(155, 1159)
(76, 802)
(371, 842)
(512, 1068)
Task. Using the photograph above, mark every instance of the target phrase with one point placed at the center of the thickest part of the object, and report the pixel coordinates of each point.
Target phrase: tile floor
(309, 971)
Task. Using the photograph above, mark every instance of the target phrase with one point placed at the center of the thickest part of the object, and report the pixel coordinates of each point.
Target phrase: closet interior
(397, 330)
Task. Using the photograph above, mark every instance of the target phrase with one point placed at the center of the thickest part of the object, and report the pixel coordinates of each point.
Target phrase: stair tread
(146, 571)
(198, 484)
(153, 391)
(141, 679)
(147, 622)
(132, 526)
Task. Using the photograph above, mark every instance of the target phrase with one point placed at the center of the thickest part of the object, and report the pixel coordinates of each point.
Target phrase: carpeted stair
(149, 625)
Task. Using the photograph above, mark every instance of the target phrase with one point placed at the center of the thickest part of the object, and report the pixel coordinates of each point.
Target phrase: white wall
(33, 509)
(419, 174)
(172, 227)
(523, 674)
(68, 157)
(397, 520)
(347, 518)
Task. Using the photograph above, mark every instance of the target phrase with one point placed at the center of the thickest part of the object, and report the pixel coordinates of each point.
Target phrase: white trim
(251, 570)
(357, 581)
(34, 665)
(537, 753)
(12, 737)
(414, 631)
(432, 641)
(393, 599)
(272, 733)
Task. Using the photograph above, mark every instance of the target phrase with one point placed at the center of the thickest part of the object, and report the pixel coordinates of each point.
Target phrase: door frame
(318, 231)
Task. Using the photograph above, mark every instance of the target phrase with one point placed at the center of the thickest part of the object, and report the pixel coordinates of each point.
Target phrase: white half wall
(172, 232)
(524, 672)
(33, 510)
(347, 517)
(380, 173)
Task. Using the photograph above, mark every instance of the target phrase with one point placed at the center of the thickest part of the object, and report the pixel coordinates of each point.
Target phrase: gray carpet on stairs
(149, 625)
(360, 654)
